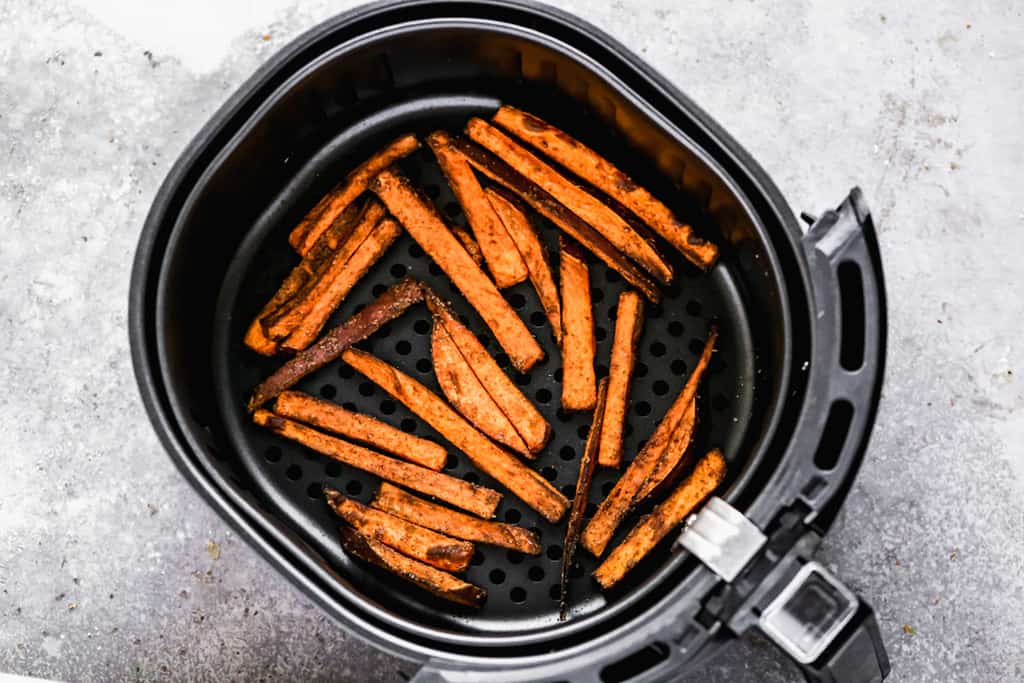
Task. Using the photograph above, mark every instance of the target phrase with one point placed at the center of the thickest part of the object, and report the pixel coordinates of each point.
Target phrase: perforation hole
(385, 331)
(415, 251)
(354, 487)
(557, 376)
(332, 469)
(696, 346)
(434, 269)
(643, 408)
(328, 391)
(478, 558)
(612, 310)
(512, 516)
(554, 552)
(518, 595)
(693, 307)
(517, 300)
(567, 453)
(366, 389)
(678, 367)
(514, 557)
(408, 425)
(655, 312)
(423, 366)
(497, 577)
(535, 573)
(523, 380)
(345, 371)
(549, 473)
(451, 462)
(387, 406)
(597, 296)
(582, 430)
(660, 387)
(315, 490)
(543, 396)
(675, 328)
(349, 406)
(537, 319)
(641, 370)
(403, 348)
(399, 270)
(272, 454)
(421, 327)
(378, 290)
(569, 491)
(294, 472)
(658, 349)
(600, 334)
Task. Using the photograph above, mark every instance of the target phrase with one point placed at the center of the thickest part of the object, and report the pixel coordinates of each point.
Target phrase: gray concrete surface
(112, 569)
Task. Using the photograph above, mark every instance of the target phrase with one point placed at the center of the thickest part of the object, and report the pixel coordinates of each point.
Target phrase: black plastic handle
(856, 656)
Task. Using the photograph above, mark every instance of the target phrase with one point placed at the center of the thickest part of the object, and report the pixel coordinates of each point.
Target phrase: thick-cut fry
(524, 416)
(574, 198)
(649, 531)
(476, 499)
(588, 463)
(453, 523)
(382, 310)
(334, 418)
(628, 326)
(472, 248)
(407, 538)
(524, 234)
(549, 207)
(579, 348)
(503, 260)
(441, 584)
(674, 458)
(622, 496)
(307, 232)
(420, 219)
(522, 481)
(602, 174)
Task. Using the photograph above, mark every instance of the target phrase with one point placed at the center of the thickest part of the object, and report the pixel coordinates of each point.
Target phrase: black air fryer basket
(790, 397)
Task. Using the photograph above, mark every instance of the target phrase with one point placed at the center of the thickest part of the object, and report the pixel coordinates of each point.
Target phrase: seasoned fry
(334, 418)
(618, 502)
(524, 234)
(579, 348)
(602, 174)
(405, 537)
(503, 260)
(674, 458)
(308, 231)
(588, 463)
(472, 248)
(574, 198)
(522, 481)
(524, 416)
(420, 219)
(476, 499)
(549, 207)
(628, 326)
(382, 310)
(706, 476)
(441, 584)
(456, 524)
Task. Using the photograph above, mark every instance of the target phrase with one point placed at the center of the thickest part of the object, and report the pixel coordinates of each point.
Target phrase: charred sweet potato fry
(510, 472)
(524, 234)
(407, 538)
(549, 207)
(333, 418)
(705, 478)
(579, 348)
(503, 259)
(453, 523)
(382, 310)
(308, 231)
(602, 174)
(674, 458)
(472, 248)
(622, 496)
(476, 499)
(629, 322)
(441, 584)
(420, 219)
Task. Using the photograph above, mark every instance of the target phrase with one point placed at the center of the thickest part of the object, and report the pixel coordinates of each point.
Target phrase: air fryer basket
(214, 250)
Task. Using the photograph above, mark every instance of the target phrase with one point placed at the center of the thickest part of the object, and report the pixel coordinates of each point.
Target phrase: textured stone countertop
(111, 568)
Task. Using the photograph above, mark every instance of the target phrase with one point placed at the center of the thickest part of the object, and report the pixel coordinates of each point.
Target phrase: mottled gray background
(111, 568)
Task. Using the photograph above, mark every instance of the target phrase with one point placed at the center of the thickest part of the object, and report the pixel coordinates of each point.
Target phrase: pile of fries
(483, 413)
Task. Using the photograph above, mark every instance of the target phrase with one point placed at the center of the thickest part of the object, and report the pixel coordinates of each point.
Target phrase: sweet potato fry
(549, 207)
(522, 481)
(573, 197)
(441, 584)
(333, 418)
(407, 538)
(705, 478)
(602, 174)
(503, 259)
(382, 310)
(579, 348)
(420, 219)
(622, 496)
(308, 231)
(531, 426)
(628, 326)
(476, 499)
(524, 234)
(674, 458)
(470, 245)
(453, 523)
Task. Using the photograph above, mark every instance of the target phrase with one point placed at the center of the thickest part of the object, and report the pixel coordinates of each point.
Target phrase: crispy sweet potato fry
(441, 584)
(522, 481)
(382, 310)
(407, 538)
(618, 502)
(453, 523)
(674, 458)
(420, 219)
(579, 348)
(503, 260)
(307, 232)
(628, 326)
(549, 207)
(524, 234)
(602, 174)
(472, 248)
(476, 499)
(706, 476)
(333, 418)
(573, 197)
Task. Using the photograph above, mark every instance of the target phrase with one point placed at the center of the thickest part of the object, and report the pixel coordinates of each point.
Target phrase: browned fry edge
(675, 457)
(472, 248)
(586, 397)
(621, 366)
